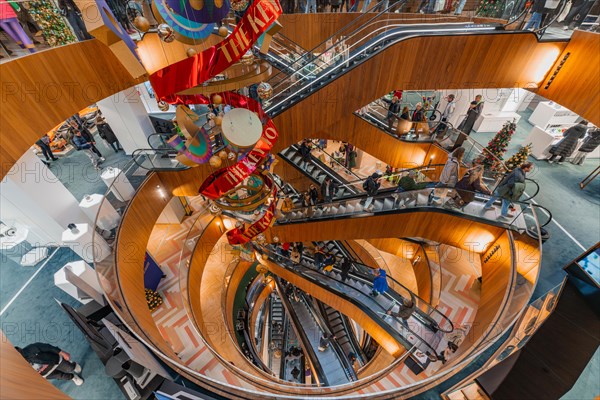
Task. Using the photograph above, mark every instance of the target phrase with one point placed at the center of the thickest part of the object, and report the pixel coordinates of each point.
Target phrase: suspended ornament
(215, 162)
(260, 238)
(198, 11)
(223, 154)
(275, 239)
(218, 120)
(239, 5)
(191, 52)
(141, 23)
(239, 224)
(217, 99)
(163, 105)
(265, 91)
(190, 26)
(231, 156)
(223, 31)
(247, 58)
(214, 209)
(166, 33)
(197, 4)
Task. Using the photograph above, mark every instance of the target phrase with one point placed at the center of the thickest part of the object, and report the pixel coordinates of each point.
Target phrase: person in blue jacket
(380, 284)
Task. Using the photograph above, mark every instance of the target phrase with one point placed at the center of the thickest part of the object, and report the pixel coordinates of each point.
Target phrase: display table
(121, 187)
(80, 281)
(549, 115)
(106, 217)
(82, 242)
(493, 122)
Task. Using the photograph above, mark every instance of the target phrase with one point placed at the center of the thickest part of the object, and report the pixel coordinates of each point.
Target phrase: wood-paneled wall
(311, 30)
(503, 60)
(19, 381)
(43, 89)
(577, 84)
(434, 225)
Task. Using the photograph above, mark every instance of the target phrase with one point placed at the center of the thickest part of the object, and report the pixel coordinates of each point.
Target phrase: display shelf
(548, 114)
(493, 122)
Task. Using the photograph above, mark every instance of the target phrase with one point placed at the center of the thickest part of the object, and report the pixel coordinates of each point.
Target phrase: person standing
(83, 145)
(380, 284)
(567, 145)
(371, 185)
(405, 310)
(590, 143)
(474, 111)
(418, 117)
(324, 341)
(51, 362)
(392, 112)
(345, 267)
(87, 135)
(304, 151)
(314, 195)
(440, 130)
(106, 133)
(537, 11)
(73, 14)
(319, 257)
(296, 373)
(44, 145)
(510, 189)
(328, 189)
(310, 5)
(335, 5)
(448, 177)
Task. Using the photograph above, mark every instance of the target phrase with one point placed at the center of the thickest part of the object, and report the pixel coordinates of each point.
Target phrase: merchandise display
(55, 30)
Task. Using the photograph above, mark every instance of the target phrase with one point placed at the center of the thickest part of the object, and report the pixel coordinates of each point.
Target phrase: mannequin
(10, 24)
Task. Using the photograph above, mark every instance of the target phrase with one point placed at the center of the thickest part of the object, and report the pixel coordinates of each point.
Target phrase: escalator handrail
(345, 28)
(394, 295)
(374, 314)
(136, 154)
(312, 356)
(349, 331)
(348, 370)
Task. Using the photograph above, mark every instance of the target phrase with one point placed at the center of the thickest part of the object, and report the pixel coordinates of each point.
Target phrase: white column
(128, 118)
(33, 196)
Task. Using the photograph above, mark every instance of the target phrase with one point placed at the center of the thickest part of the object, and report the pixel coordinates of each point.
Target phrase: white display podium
(106, 217)
(121, 187)
(540, 143)
(493, 122)
(549, 115)
(80, 281)
(82, 242)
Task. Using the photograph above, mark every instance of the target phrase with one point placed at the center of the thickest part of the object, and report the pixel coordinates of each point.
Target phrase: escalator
(341, 327)
(331, 366)
(357, 291)
(276, 333)
(294, 356)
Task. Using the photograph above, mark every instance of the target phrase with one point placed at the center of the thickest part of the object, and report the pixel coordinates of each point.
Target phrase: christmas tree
(519, 158)
(497, 147)
(490, 8)
(55, 30)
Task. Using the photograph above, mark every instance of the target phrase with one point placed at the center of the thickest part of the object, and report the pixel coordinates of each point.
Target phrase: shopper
(295, 256)
(418, 117)
(510, 189)
(82, 144)
(319, 257)
(380, 284)
(311, 6)
(448, 178)
(440, 130)
(335, 5)
(405, 114)
(304, 151)
(466, 126)
(44, 144)
(470, 183)
(328, 190)
(87, 135)
(345, 267)
(300, 248)
(296, 373)
(405, 310)
(51, 362)
(314, 195)
(537, 11)
(106, 133)
(589, 144)
(329, 263)
(371, 186)
(392, 112)
(73, 14)
(324, 341)
(567, 145)
(408, 186)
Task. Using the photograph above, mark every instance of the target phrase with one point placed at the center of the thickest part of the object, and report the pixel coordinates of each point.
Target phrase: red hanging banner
(195, 70)
(241, 236)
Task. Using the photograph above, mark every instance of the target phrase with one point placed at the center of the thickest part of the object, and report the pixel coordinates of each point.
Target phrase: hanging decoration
(166, 33)
(169, 82)
(244, 235)
(264, 90)
(141, 23)
(55, 30)
(190, 31)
